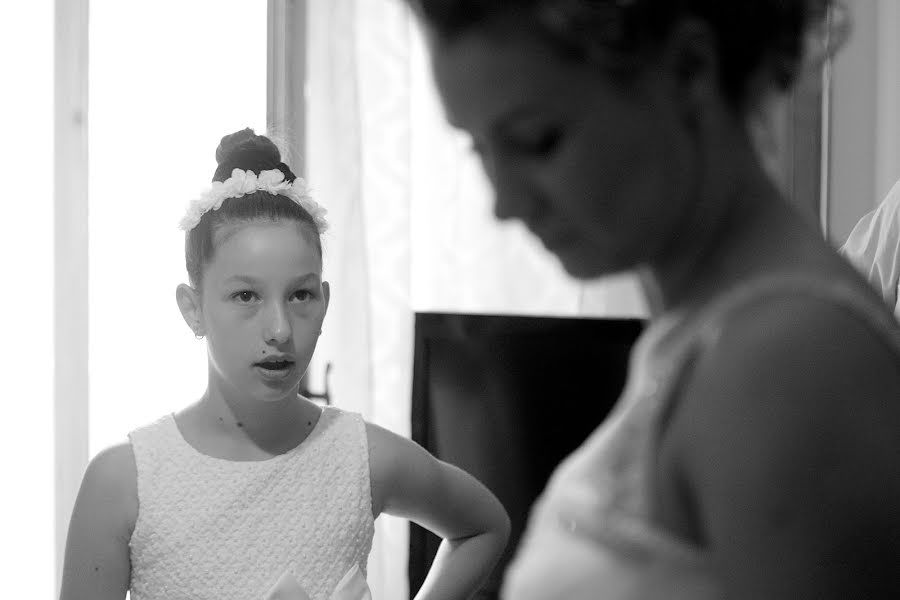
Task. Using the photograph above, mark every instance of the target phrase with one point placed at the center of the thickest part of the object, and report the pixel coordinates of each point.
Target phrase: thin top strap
(843, 294)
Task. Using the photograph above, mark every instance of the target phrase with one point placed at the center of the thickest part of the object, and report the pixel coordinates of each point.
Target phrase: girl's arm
(410, 483)
(788, 439)
(97, 563)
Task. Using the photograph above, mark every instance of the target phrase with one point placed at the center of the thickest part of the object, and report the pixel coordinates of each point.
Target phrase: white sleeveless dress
(590, 535)
(213, 529)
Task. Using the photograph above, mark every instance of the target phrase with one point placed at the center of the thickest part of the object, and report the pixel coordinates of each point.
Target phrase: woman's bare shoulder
(810, 351)
(787, 421)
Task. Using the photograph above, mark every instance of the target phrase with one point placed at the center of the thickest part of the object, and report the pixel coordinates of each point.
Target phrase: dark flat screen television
(506, 398)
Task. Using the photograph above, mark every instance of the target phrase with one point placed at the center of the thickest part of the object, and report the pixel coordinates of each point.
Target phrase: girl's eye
(244, 296)
(303, 295)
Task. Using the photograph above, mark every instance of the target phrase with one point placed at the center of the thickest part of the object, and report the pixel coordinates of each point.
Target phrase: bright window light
(167, 80)
(26, 248)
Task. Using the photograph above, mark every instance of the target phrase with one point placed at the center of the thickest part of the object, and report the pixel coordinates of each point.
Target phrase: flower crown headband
(247, 182)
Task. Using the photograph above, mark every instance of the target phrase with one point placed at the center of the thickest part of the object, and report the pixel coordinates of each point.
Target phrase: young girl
(253, 491)
(755, 452)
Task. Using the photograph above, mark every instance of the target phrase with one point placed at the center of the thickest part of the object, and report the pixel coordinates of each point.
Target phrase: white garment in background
(874, 248)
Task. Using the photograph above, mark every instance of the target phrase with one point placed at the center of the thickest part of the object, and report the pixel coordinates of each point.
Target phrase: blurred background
(112, 112)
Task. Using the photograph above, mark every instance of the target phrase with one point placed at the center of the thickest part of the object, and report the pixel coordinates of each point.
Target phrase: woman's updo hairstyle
(247, 151)
(752, 35)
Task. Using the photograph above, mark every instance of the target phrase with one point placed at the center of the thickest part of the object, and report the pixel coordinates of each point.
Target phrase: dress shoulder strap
(843, 294)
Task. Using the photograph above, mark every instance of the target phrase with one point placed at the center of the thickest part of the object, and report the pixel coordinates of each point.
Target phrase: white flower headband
(247, 182)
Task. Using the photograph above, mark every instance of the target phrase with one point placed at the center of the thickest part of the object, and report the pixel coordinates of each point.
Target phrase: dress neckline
(189, 448)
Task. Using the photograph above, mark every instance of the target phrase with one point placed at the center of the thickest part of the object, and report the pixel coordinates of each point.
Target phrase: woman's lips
(557, 241)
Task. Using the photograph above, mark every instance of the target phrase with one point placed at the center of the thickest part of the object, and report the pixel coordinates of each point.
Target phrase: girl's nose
(278, 327)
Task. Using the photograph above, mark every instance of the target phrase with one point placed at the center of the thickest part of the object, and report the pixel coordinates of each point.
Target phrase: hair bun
(248, 151)
(246, 141)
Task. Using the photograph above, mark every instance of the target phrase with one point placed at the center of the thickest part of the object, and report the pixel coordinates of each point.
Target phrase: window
(26, 247)
(162, 94)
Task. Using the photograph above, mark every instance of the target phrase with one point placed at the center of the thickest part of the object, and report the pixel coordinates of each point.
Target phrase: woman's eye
(538, 145)
(303, 295)
(244, 296)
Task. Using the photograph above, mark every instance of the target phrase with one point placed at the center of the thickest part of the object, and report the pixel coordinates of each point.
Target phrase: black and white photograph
(451, 299)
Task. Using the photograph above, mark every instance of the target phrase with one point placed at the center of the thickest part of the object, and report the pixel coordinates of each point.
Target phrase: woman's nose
(513, 202)
(513, 198)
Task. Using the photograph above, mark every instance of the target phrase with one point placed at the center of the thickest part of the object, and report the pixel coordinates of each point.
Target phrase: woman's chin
(586, 268)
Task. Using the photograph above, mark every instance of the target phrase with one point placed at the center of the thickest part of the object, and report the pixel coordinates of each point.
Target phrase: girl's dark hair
(751, 34)
(250, 152)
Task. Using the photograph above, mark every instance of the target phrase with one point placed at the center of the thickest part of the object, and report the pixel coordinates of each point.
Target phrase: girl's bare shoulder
(110, 481)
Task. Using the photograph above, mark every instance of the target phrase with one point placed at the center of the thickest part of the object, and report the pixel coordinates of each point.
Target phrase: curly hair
(751, 34)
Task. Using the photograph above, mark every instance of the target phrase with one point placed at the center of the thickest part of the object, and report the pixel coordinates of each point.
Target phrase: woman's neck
(713, 247)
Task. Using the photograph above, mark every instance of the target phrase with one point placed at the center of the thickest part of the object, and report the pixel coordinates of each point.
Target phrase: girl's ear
(326, 295)
(189, 304)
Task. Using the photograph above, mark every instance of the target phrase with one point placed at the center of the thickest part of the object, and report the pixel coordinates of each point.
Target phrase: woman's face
(596, 167)
(263, 303)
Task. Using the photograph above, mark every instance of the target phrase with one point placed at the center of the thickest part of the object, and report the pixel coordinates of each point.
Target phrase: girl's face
(263, 303)
(595, 167)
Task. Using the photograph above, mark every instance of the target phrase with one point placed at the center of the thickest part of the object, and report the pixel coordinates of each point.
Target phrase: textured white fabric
(591, 535)
(213, 529)
(874, 248)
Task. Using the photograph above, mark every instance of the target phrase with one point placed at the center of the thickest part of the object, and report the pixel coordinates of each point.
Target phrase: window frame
(285, 113)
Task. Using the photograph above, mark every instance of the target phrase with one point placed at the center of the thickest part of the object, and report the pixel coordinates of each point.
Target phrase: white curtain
(411, 227)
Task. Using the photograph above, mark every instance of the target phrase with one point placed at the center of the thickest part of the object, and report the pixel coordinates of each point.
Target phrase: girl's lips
(274, 375)
(276, 358)
(275, 364)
